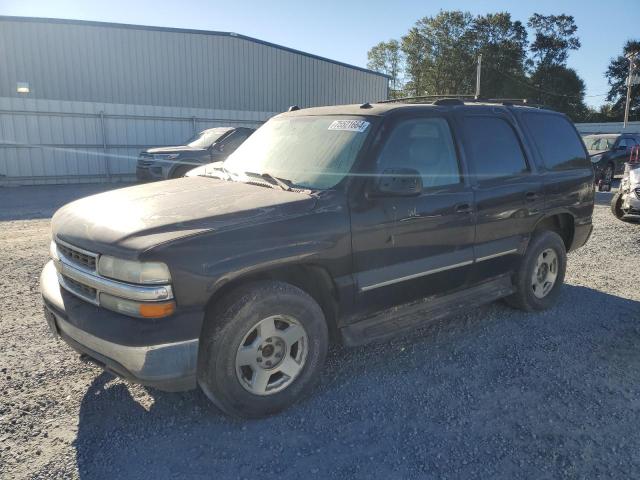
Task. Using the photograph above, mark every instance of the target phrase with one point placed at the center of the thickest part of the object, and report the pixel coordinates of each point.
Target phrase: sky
(345, 30)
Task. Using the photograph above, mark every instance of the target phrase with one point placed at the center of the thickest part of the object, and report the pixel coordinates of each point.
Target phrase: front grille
(145, 159)
(637, 190)
(81, 290)
(78, 257)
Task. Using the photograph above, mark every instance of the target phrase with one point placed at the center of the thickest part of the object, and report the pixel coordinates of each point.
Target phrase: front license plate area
(51, 322)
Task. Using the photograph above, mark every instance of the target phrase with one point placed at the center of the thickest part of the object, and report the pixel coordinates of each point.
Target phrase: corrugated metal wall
(149, 83)
(52, 141)
(120, 64)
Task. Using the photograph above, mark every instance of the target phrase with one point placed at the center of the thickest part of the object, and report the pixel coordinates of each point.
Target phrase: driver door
(406, 248)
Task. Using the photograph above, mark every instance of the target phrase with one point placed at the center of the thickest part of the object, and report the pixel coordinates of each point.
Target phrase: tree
(552, 83)
(554, 37)
(559, 88)
(616, 74)
(503, 45)
(438, 52)
(386, 57)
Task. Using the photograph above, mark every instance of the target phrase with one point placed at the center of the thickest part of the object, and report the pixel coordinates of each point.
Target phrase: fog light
(137, 309)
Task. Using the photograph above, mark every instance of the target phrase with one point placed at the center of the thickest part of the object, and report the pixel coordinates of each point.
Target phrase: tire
(526, 296)
(181, 171)
(230, 331)
(608, 174)
(616, 206)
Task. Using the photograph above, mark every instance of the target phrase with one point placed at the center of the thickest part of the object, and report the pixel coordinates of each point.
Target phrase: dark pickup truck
(351, 223)
(211, 145)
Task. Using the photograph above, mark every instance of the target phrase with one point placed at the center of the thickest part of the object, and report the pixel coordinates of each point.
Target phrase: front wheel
(616, 206)
(261, 349)
(540, 275)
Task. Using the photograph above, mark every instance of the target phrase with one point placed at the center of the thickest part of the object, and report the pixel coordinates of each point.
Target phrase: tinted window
(425, 145)
(556, 140)
(233, 141)
(494, 148)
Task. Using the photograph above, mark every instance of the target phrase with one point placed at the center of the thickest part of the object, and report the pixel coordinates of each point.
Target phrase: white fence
(609, 127)
(47, 141)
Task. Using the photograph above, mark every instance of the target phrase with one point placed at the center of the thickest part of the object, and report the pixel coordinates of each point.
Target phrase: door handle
(463, 208)
(532, 196)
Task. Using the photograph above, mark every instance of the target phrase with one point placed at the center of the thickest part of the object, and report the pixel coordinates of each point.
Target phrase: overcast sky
(345, 30)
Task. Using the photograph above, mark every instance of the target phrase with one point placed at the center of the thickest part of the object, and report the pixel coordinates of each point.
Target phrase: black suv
(212, 145)
(609, 153)
(354, 223)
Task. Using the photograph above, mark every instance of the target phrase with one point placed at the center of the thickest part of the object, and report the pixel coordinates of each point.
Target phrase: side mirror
(218, 147)
(621, 148)
(398, 182)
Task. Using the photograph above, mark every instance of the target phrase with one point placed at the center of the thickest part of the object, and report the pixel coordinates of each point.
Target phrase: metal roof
(183, 30)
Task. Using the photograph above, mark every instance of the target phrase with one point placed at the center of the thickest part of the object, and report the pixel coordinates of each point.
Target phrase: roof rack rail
(416, 99)
(453, 99)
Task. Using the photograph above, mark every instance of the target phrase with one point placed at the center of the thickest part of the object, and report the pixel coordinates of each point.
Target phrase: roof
(65, 21)
(379, 109)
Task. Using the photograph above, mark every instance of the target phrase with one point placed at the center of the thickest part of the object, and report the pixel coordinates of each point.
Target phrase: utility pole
(632, 56)
(478, 73)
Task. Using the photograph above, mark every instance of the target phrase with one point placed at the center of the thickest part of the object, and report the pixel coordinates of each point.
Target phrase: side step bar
(398, 320)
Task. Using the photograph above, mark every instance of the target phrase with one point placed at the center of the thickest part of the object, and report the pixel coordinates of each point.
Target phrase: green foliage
(616, 74)
(438, 56)
(387, 58)
(554, 37)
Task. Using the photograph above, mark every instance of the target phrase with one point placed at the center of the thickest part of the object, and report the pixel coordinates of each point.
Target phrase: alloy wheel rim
(544, 273)
(271, 355)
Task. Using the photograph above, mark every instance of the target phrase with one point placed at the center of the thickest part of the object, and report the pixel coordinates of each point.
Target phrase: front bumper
(116, 342)
(149, 173)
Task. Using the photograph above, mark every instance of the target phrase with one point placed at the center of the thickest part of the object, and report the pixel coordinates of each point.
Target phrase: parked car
(609, 152)
(351, 223)
(211, 145)
(625, 203)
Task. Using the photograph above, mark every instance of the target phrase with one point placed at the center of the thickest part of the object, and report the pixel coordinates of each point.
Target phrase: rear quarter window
(556, 141)
(495, 149)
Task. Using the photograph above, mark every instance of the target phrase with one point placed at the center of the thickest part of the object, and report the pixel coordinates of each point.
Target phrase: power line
(547, 92)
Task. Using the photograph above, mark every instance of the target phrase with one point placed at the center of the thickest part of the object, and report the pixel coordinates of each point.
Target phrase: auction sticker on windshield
(349, 125)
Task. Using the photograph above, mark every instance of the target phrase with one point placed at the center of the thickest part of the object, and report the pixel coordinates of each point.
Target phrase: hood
(126, 221)
(176, 149)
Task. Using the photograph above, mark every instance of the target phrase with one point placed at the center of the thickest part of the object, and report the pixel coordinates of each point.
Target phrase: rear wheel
(541, 273)
(262, 348)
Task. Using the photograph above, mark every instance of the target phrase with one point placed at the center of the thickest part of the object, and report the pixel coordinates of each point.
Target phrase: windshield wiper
(283, 183)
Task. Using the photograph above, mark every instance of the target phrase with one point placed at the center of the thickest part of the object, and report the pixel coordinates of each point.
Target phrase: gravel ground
(495, 393)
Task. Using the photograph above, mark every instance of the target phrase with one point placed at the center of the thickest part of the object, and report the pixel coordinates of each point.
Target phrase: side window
(556, 140)
(494, 147)
(426, 145)
(233, 141)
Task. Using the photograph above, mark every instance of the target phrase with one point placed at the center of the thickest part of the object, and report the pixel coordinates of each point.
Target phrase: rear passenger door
(508, 191)
(405, 248)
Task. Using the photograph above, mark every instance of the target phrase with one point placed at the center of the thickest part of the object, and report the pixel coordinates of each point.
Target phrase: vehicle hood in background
(130, 220)
(176, 149)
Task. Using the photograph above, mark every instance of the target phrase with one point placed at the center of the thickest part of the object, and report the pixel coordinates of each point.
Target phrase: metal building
(79, 100)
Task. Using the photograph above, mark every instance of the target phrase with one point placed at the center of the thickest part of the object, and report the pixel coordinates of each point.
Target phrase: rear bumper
(170, 365)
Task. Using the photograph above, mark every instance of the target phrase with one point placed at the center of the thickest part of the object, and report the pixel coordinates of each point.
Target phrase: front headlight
(165, 156)
(133, 272)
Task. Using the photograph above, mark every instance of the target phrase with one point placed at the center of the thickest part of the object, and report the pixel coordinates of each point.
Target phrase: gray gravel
(495, 393)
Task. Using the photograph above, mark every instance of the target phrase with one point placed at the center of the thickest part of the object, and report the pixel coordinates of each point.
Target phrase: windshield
(311, 152)
(205, 139)
(599, 143)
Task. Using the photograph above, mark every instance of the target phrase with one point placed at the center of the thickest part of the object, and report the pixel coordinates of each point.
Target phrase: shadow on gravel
(494, 393)
(41, 201)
